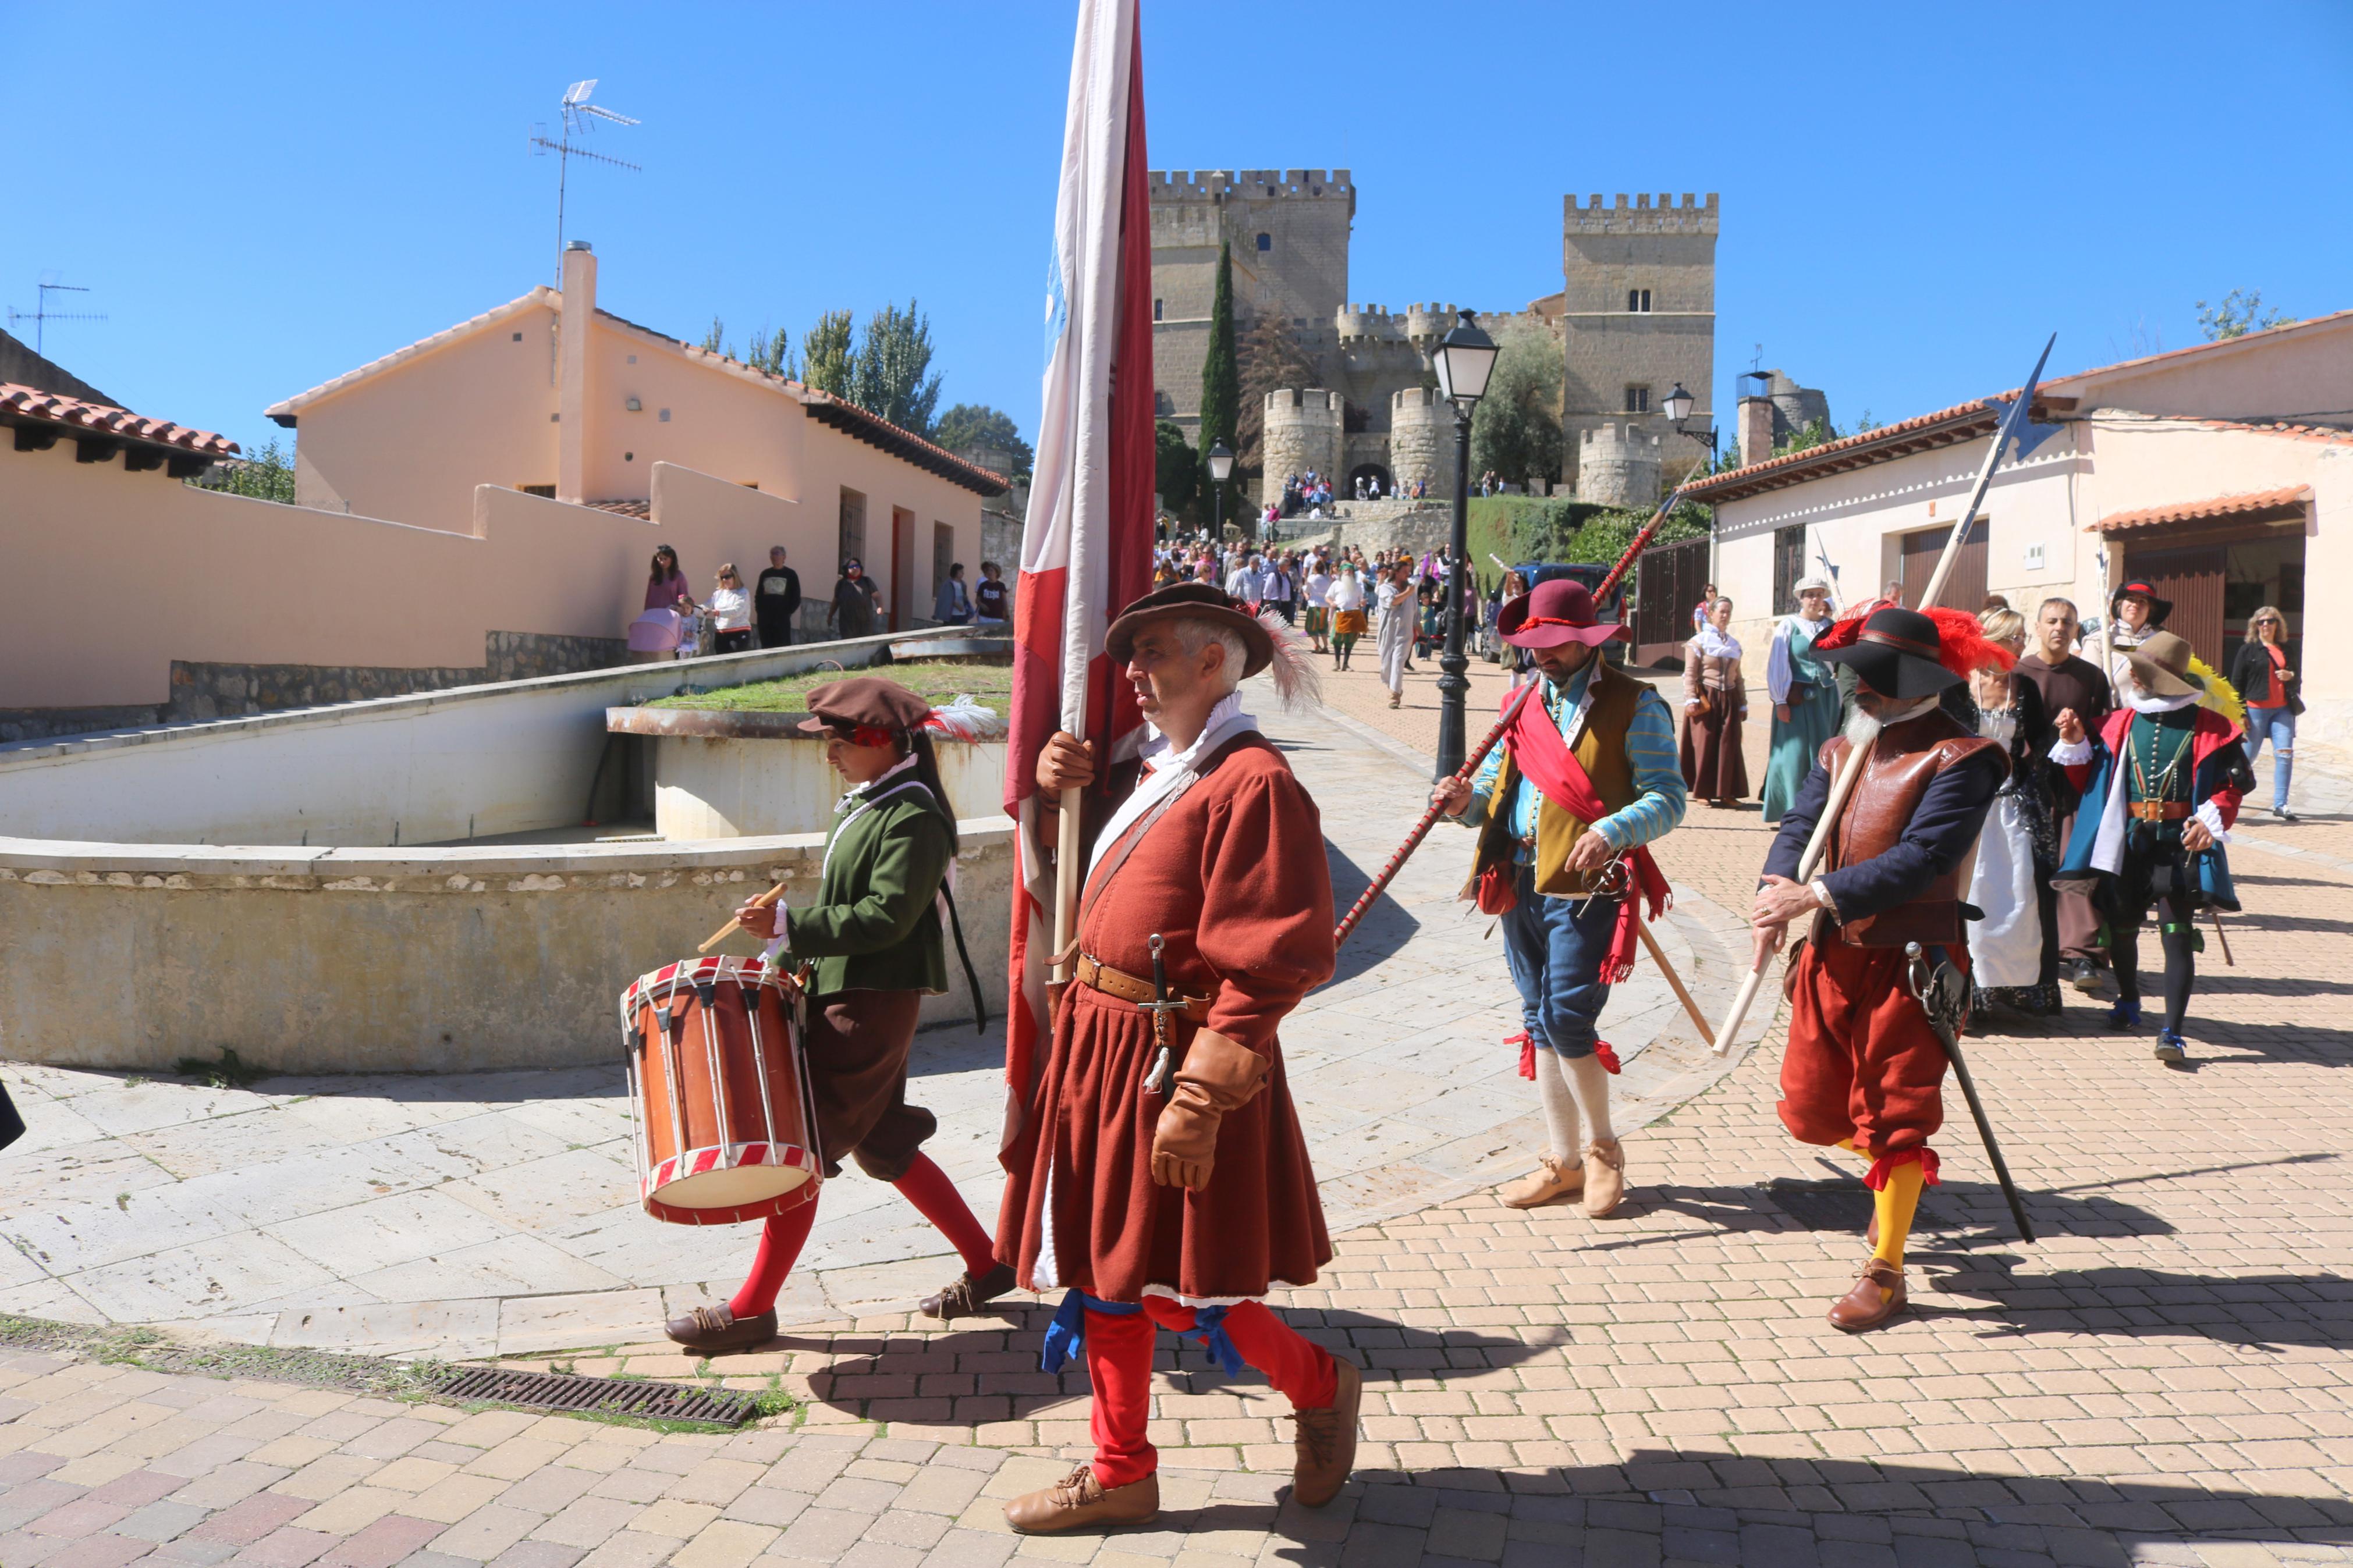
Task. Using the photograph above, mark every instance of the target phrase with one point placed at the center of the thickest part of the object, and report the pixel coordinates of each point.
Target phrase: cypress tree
(1221, 381)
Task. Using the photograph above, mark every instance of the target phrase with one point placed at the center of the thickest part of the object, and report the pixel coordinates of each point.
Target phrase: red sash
(1542, 755)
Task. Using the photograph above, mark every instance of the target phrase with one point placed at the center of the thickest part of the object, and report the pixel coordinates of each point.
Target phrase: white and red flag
(1086, 545)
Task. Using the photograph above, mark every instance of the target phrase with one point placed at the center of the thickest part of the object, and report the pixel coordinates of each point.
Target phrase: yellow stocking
(1896, 1203)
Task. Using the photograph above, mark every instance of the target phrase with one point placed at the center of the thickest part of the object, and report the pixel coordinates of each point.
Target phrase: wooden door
(2191, 576)
(903, 568)
(1964, 589)
(1667, 586)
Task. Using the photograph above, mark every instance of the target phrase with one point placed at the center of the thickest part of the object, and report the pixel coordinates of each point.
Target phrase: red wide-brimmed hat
(1557, 612)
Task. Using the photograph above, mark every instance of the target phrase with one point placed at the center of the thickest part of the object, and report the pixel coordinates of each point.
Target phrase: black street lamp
(1463, 359)
(1678, 407)
(1221, 467)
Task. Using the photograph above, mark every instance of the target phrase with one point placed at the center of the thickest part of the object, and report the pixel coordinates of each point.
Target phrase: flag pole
(1851, 768)
(1067, 851)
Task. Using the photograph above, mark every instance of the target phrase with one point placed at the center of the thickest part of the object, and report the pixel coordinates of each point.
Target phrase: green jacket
(876, 924)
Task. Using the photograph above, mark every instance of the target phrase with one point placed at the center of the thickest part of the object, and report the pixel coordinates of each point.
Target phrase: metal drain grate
(579, 1395)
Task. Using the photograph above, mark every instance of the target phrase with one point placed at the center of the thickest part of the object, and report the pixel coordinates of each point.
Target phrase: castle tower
(1421, 439)
(1617, 465)
(1303, 432)
(1289, 230)
(1639, 307)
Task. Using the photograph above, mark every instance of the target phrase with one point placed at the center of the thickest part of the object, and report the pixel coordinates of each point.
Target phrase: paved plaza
(2162, 1378)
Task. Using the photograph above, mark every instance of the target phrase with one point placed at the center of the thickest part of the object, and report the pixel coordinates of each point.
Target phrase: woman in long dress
(1715, 700)
(1395, 601)
(2019, 850)
(1805, 697)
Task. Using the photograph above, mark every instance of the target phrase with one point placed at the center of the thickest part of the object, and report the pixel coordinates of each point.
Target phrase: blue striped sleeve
(1657, 778)
(1483, 787)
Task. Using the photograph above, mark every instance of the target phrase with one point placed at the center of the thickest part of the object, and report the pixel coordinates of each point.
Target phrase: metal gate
(2193, 579)
(1667, 583)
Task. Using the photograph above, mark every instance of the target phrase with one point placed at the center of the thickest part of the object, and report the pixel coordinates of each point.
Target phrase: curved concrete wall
(133, 957)
(718, 787)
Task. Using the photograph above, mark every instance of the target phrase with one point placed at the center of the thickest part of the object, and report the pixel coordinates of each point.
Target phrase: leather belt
(2159, 810)
(1102, 977)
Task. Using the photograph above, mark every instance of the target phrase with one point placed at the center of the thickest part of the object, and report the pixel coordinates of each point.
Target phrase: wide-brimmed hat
(1896, 654)
(2162, 663)
(1557, 612)
(1811, 585)
(1192, 601)
(866, 709)
(2157, 608)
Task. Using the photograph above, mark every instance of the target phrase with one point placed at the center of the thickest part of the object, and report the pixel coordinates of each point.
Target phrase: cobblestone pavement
(2163, 1378)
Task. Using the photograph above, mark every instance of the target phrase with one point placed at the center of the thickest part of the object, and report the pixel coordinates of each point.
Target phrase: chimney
(572, 377)
(1755, 429)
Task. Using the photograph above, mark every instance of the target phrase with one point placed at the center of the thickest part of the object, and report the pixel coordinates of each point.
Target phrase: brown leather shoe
(708, 1329)
(966, 1296)
(1605, 1177)
(1326, 1440)
(1079, 1502)
(1878, 1295)
(1551, 1179)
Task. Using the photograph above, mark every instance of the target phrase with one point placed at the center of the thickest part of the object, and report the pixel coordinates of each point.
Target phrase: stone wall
(46, 723)
(203, 691)
(1617, 465)
(1421, 439)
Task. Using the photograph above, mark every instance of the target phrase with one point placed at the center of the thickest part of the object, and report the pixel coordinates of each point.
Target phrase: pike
(1478, 755)
(2012, 423)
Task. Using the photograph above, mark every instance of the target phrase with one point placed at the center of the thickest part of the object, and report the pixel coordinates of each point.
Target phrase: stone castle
(1635, 315)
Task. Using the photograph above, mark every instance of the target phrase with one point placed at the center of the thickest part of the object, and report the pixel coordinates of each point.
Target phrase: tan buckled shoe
(1605, 1177)
(1079, 1502)
(708, 1329)
(1326, 1440)
(1551, 1179)
(1878, 1295)
(966, 1296)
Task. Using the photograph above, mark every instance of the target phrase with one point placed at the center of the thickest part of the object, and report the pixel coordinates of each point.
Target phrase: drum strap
(964, 955)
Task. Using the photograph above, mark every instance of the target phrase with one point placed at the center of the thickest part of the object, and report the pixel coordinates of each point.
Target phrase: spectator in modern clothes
(856, 601)
(2072, 926)
(952, 607)
(730, 613)
(2261, 672)
(1700, 610)
(776, 600)
(991, 603)
(665, 586)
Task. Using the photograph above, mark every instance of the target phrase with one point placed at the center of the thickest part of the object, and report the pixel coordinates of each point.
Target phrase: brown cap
(1192, 601)
(864, 702)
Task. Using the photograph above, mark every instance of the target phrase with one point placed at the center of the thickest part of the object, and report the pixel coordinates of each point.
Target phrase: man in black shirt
(777, 600)
(989, 600)
(2071, 926)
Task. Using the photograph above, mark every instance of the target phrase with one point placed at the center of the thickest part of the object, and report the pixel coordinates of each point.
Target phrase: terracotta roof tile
(1961, 422)
(31, 403)
(643, 511)
(2290, 500)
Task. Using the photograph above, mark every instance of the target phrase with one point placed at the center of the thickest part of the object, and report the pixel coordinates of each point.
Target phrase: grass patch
(230, 1072)
(938, 680)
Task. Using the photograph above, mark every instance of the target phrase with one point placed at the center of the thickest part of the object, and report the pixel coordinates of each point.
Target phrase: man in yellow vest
(1586, 777)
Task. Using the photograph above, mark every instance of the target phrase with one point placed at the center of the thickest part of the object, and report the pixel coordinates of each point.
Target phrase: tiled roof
(643, 511)
(2218, 346)
(1945, 428)
(20, 405)
(2286, 503)
(288, 410)
(852, 420)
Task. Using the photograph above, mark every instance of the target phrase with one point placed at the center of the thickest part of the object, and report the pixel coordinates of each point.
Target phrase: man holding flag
(1155, 1165)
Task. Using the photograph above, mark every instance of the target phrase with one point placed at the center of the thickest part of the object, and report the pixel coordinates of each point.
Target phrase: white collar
(1167, 769)
(1714, 643)
(2141, 701)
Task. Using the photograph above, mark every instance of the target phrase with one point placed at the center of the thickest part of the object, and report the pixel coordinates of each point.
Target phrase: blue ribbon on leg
(1067, 1335)
(1210, 1328)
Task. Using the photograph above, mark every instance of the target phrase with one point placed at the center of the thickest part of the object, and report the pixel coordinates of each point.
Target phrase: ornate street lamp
(1678, 407)
(1463, 359)
(1221, 467)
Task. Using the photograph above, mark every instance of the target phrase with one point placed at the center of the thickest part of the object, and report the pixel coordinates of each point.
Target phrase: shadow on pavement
(1386, 927)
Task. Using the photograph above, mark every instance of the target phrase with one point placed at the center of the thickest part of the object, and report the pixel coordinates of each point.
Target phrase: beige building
(2223, 474)
(479, 505)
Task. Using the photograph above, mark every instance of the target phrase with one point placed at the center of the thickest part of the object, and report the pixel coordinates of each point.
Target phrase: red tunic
(1232, 876)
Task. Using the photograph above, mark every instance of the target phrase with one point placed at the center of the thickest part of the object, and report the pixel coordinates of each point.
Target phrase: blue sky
(264, 197)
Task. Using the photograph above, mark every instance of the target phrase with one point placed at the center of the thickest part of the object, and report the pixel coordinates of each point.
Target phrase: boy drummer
(873, 940)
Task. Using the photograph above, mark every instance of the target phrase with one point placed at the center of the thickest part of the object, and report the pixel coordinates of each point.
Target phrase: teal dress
(1813, 717)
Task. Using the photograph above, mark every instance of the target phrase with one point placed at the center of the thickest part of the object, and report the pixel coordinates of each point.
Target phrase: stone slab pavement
(2163, 1378)
(472, 1214)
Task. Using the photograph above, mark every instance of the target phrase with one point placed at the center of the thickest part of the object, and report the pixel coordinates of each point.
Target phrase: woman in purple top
(666, 587)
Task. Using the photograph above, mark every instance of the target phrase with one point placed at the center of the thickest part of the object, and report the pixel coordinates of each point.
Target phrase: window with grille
(1638, 400)
(1638, 300)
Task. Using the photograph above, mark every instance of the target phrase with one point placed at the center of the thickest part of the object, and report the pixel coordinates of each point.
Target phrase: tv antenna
(41, 315)
(580, 118)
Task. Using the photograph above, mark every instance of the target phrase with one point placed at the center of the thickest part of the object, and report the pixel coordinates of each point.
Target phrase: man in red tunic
(1160, 1175)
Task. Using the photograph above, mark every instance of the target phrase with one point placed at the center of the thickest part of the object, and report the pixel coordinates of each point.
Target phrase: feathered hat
(1907, 654)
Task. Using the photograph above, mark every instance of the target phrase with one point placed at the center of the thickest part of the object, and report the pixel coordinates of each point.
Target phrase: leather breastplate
(1905, 761)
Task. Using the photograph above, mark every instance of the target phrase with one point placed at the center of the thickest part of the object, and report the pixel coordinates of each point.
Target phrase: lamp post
(1221, 467)
(1463, 359)
(1678, 407)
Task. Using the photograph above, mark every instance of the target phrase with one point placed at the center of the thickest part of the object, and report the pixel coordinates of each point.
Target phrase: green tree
(977, 424)
(265, 474)
(1175, 466)
(1815, 433)
(710, 338)
(827, 354)
(1221, 386)
(891, 375)
(1516, 429)
(2238, 315)
(771, 351)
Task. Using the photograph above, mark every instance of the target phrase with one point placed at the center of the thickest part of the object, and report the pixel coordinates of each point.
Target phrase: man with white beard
(1865, 1070)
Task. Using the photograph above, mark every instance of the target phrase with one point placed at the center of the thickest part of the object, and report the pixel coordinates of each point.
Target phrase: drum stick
(765, 901)
(1674, 981)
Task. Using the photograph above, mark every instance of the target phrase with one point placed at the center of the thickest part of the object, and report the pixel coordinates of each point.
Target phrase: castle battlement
(1249, 184)
(1312, 403)
(1690, 216)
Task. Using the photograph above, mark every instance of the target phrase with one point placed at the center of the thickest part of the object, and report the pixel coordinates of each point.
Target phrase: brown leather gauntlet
(1219, 1074)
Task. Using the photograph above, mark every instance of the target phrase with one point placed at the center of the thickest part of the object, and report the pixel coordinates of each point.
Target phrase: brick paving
(2162, 1379)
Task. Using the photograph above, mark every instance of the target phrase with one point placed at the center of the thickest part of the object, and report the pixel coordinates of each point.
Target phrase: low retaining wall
(133, 957)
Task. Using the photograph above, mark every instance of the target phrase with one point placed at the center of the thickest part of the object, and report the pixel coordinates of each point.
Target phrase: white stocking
(1593, 1094)
(1559, 1105)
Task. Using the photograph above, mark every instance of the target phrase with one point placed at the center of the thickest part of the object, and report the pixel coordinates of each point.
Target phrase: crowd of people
(737, 616)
